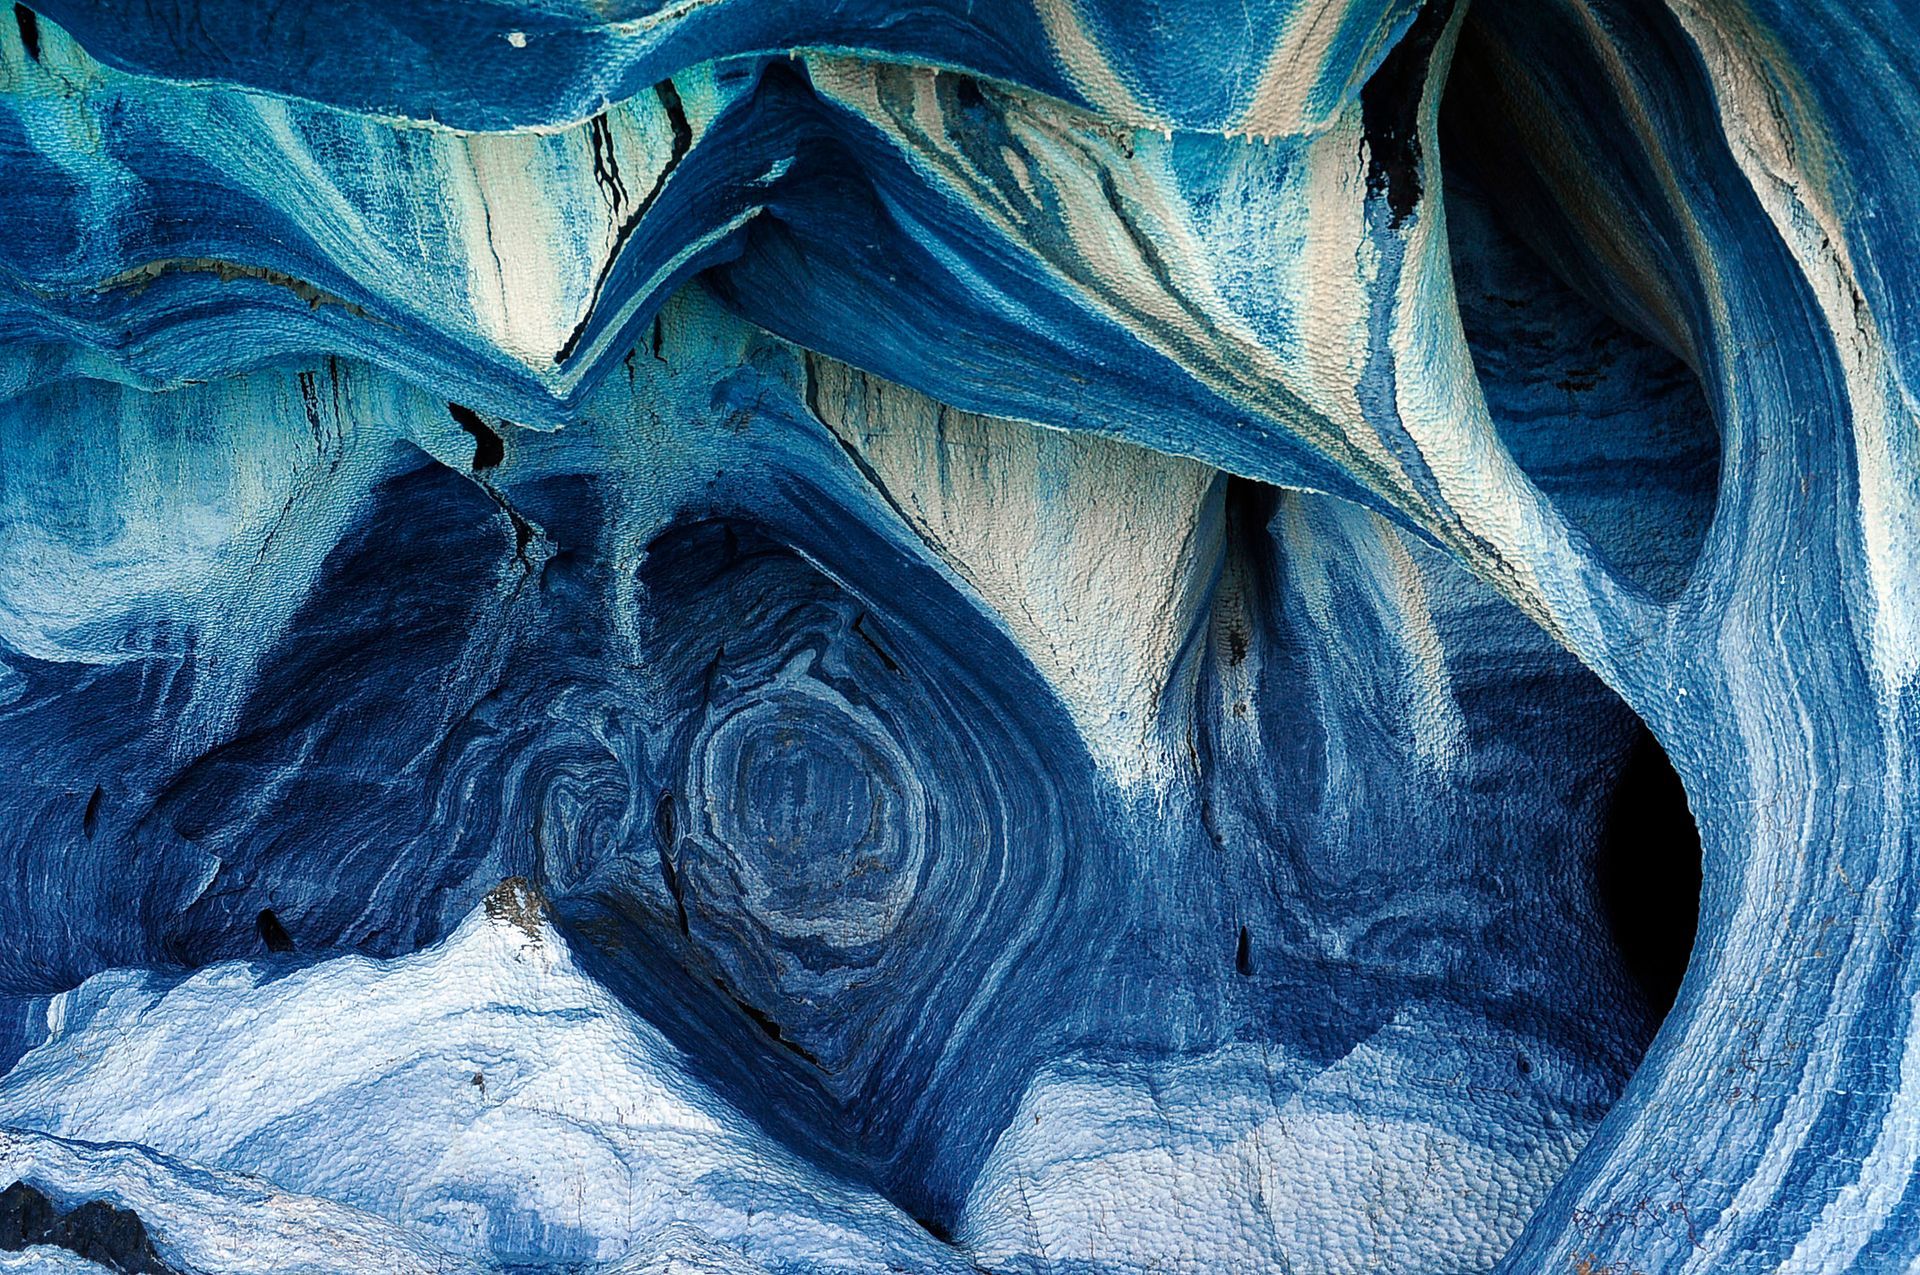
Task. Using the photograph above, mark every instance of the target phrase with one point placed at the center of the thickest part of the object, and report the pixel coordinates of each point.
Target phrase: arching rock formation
(1007, 636)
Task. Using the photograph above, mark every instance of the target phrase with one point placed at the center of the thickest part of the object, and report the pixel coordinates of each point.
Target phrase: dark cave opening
(1647, 871)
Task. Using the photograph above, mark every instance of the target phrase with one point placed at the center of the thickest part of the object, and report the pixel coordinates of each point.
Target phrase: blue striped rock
(1063, 636)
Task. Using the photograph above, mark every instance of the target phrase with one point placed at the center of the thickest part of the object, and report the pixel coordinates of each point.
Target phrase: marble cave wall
(1008, 636)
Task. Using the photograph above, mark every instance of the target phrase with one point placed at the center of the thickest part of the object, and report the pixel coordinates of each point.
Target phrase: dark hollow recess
(29, 24)
(272, 932)
(1390, 111)
(1647, 872)
(488, 448)
(90, 818)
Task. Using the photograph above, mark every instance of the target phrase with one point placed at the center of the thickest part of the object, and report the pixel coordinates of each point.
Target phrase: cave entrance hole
(1647, 872)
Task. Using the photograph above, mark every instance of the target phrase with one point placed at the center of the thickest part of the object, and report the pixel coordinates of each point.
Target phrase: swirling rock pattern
(1011, 636)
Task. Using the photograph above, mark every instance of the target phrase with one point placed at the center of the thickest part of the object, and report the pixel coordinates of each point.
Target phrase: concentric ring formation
(859, 830)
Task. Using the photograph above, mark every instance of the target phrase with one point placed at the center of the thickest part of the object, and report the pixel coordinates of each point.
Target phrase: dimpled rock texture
(997, 636)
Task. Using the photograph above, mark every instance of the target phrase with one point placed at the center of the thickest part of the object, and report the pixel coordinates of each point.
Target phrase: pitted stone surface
(1016, 636)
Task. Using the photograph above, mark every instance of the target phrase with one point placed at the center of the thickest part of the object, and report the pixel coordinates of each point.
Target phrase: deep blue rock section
(1019, 636)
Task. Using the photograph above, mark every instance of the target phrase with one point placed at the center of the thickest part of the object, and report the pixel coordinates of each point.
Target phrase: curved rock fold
(1020, 637)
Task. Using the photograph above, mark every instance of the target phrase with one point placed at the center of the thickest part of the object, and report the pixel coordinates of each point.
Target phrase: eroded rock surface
(1011, 636)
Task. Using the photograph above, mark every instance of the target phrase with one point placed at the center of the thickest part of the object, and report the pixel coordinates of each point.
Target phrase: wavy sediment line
(1087, 638)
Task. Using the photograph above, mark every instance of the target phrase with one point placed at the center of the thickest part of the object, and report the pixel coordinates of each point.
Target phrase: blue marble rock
(1042, 637)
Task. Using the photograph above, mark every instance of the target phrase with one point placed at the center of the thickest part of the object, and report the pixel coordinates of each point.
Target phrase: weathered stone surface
(1012, 636)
